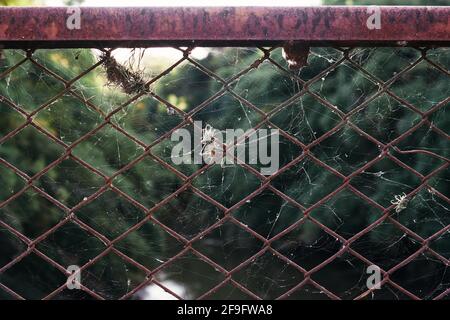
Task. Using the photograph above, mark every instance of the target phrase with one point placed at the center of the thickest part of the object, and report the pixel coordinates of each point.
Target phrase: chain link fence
(88, 177)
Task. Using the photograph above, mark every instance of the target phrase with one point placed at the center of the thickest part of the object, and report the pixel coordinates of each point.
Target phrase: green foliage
(69, 116)
(18, 2)
(68, 119)
(307, 119)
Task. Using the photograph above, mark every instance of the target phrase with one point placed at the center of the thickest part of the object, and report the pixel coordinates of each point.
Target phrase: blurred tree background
(69, 116)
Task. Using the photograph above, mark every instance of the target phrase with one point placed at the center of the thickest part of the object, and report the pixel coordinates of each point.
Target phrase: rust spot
(51, 31)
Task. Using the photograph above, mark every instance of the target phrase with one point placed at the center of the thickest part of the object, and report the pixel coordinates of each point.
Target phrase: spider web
(352, 112)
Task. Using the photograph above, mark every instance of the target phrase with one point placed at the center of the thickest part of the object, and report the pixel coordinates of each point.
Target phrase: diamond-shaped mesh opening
(306, 119)
(355, 84)
(30, 87)
(175, 84)
(22, 279)
(385, 118)
(226, 62)
(11, 183)
(245, 117)
(221, 183)
(425, 277)
(10, 119)
(307, 245)
(39, 149)
(148, 182)
(148, 119)
(346, 151)
(268, 277)
(188, 214)
(388, 245)
(344, 276)
(112, 277)
(258, 215)
(70, 182)
(108, 207)
(384, 180)
(108, 150)
(336, 215)
(149, 245)
(11, 246)
(172, 151)
(425, 214)
(393, 60)
(422, 162)
(68, 118)
(280, 150)
(264, 95)
(71, 245)
(228, 253)
(24, 214)
(66, 63)
(307, 182)
(192, 272)
(440, 118)
(429, 86)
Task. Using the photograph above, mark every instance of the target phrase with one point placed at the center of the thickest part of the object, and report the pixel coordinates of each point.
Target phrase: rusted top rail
(147, 26)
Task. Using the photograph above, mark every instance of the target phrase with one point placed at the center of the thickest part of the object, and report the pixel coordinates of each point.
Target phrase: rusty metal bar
(230, 26)
(46, 27)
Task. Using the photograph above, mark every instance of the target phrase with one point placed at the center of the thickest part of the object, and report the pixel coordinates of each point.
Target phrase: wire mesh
(300, 273)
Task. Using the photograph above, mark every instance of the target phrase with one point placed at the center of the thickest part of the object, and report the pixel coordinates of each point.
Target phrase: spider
(400, 202)
(212, 149)
(208, 135)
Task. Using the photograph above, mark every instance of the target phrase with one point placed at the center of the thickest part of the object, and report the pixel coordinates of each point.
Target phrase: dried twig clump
(130, 81)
